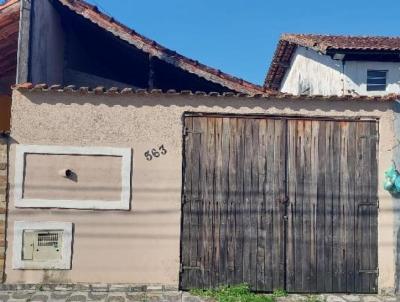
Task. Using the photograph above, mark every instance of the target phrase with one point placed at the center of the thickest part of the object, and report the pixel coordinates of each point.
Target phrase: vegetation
(279, 293)
(242, 293)
(312, 298)
(238, 293)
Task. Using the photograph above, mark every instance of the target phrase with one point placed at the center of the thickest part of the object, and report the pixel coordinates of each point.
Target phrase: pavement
(166, 296)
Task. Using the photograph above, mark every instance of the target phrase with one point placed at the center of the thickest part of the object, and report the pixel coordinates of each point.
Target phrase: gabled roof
(9, 25)
(323, 44)
(121, 31)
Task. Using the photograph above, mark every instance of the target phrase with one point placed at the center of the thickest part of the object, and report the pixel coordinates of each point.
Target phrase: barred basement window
(376, 80)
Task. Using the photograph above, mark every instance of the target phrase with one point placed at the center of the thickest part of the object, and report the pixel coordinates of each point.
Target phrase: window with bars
(376, 80)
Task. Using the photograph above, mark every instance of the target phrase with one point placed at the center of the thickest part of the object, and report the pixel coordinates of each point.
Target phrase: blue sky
(239, 36)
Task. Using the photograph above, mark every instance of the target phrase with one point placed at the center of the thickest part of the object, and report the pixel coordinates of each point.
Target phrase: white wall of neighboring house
(315, 73)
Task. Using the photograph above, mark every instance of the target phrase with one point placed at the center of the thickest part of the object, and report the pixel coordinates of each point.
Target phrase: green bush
(279, 293)
(237, 293)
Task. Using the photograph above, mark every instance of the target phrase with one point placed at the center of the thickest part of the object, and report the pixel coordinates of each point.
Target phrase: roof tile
(28, 87)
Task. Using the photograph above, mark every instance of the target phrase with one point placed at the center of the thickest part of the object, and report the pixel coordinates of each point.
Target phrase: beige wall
(142, 245)
(96, 177)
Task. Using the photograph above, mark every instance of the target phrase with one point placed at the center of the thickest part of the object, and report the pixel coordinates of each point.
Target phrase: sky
(239, 36)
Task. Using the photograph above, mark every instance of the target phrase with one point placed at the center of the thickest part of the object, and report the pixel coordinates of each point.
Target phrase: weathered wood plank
(364, 210)
(343, 205)
(254, 201)
(279, 188)
(350, 208)
(225, 137)
(195, 245)
(185, 237)
(373, 141)
(204, 240)
(270, 207)
(261, 208)
(247, 202)
(328, 207)
(218, 199)
(239, 205)
(313, 193)
(232, 199)
(306, 209)
(292, 185)
(211, 200)
(298, 224)
(320, 211)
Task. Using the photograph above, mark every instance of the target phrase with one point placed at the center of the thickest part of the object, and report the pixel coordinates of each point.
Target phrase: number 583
(155, 153)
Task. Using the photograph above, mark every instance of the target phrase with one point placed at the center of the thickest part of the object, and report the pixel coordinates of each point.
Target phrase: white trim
(66, 256)
(122, 204)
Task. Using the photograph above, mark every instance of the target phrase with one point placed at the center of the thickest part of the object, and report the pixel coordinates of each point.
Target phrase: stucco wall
(325, 76)
(142, 245)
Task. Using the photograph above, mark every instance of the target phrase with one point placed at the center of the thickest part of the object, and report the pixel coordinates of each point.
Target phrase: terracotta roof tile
(115, 91)
(324, 42)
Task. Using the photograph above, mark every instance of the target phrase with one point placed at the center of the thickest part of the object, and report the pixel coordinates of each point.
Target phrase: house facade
(335, 65)
(219, 189)
(182, 176)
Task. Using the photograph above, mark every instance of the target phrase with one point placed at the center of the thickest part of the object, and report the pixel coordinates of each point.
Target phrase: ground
(163, 296)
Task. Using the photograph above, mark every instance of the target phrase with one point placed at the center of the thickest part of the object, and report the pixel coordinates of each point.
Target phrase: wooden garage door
(279, 203)
(332, 211)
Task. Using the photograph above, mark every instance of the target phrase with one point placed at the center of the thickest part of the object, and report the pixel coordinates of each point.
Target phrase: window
(376, 80)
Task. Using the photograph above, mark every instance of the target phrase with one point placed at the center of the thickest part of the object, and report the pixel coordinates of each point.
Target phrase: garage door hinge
(369, 271)
(183, 268)
(186, 131)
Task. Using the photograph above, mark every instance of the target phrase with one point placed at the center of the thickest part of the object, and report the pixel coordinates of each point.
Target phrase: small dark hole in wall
(71, 175)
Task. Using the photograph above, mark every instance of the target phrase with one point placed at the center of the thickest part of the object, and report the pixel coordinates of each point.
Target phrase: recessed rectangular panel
(72, 177)
(92, 177)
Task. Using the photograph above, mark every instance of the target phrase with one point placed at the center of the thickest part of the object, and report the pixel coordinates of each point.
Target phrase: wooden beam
(151, 83)
(24, 42)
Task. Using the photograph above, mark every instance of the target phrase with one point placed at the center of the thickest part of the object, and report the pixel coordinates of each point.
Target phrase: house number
(154, 153)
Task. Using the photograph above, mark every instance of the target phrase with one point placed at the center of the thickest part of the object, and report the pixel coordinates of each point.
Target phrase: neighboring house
(335, 65)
